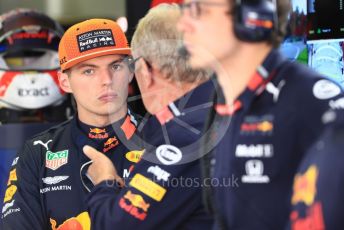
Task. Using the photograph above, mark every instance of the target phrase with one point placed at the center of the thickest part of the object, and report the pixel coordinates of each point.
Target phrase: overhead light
(123, 23)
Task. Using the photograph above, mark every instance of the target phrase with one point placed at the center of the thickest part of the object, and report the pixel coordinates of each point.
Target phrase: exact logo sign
(95, 39)
(168, 154)
(41, 92)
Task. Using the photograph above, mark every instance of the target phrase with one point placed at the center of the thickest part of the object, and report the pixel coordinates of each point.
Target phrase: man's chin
(198, 63)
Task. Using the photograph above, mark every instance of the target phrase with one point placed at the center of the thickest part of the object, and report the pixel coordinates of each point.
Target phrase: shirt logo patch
(97, 133)
(148, 187)
(137, 206)
(10, 191)
(259, 150)
(45, 145)
(325, 89)
(254, 173)
(305, 186)
(15, 161)
(311, 215)
(55, 160)
(168, 154)
(337, 104)
(159, 173)
(257, 125)
(12, 177)
(95, 39)
(81, 222)
(134, 156)
(137, 201)
(111, 143)
(7, 206)
(314, 218)
(54, 180)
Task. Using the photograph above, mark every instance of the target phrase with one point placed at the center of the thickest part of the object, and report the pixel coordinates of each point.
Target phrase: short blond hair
(157, 40)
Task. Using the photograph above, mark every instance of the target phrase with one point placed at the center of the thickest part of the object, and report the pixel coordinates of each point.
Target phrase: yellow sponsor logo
(305, 186)
(10, 193)
(134, 156)
(12, 177)
(265, 126)
(148, 187)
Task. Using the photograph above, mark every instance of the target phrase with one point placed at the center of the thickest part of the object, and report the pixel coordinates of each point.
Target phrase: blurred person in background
(164, 191)
(48, 184)
(317, 199)
(273, 107)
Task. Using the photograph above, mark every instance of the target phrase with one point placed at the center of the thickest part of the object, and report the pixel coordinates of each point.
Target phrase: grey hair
(157, 40)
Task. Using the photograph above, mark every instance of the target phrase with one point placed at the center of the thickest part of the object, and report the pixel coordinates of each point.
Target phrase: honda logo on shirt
(254, 172)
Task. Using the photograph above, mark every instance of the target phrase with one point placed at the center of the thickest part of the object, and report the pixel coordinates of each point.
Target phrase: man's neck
(171, 92)
(234, 74)
(102, 120)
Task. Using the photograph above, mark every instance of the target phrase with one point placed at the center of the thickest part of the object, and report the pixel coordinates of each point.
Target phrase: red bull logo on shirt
(314, 218)
(137, 206)
(305, 186)
(97, 133)
(137, 201)
(110, 144)
(81, 222)
(305, 192)
(262, 127)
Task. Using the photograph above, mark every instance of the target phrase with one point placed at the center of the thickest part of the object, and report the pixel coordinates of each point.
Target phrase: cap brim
(81, 58)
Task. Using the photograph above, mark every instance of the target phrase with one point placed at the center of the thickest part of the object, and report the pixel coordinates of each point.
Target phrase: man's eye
(88, 72)
(117, 67)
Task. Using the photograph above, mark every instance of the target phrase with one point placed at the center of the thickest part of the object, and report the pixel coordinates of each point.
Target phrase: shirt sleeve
(319, 96)
(22, 207)
(158, 195)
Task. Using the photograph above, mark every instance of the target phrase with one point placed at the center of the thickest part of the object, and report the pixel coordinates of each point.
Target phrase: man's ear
(145, 73)
(64, 82)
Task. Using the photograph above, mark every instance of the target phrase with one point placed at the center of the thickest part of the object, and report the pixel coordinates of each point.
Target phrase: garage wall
(70, 11)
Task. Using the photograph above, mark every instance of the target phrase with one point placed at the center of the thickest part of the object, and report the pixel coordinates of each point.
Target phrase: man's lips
(107, 96)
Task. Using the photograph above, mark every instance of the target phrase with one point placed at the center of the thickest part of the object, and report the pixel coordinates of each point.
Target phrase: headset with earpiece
(255, 20)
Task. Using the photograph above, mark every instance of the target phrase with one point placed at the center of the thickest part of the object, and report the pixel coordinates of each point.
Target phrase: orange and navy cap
(89, 39)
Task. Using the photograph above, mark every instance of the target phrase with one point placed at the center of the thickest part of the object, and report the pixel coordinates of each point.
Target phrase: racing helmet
(29, 60)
